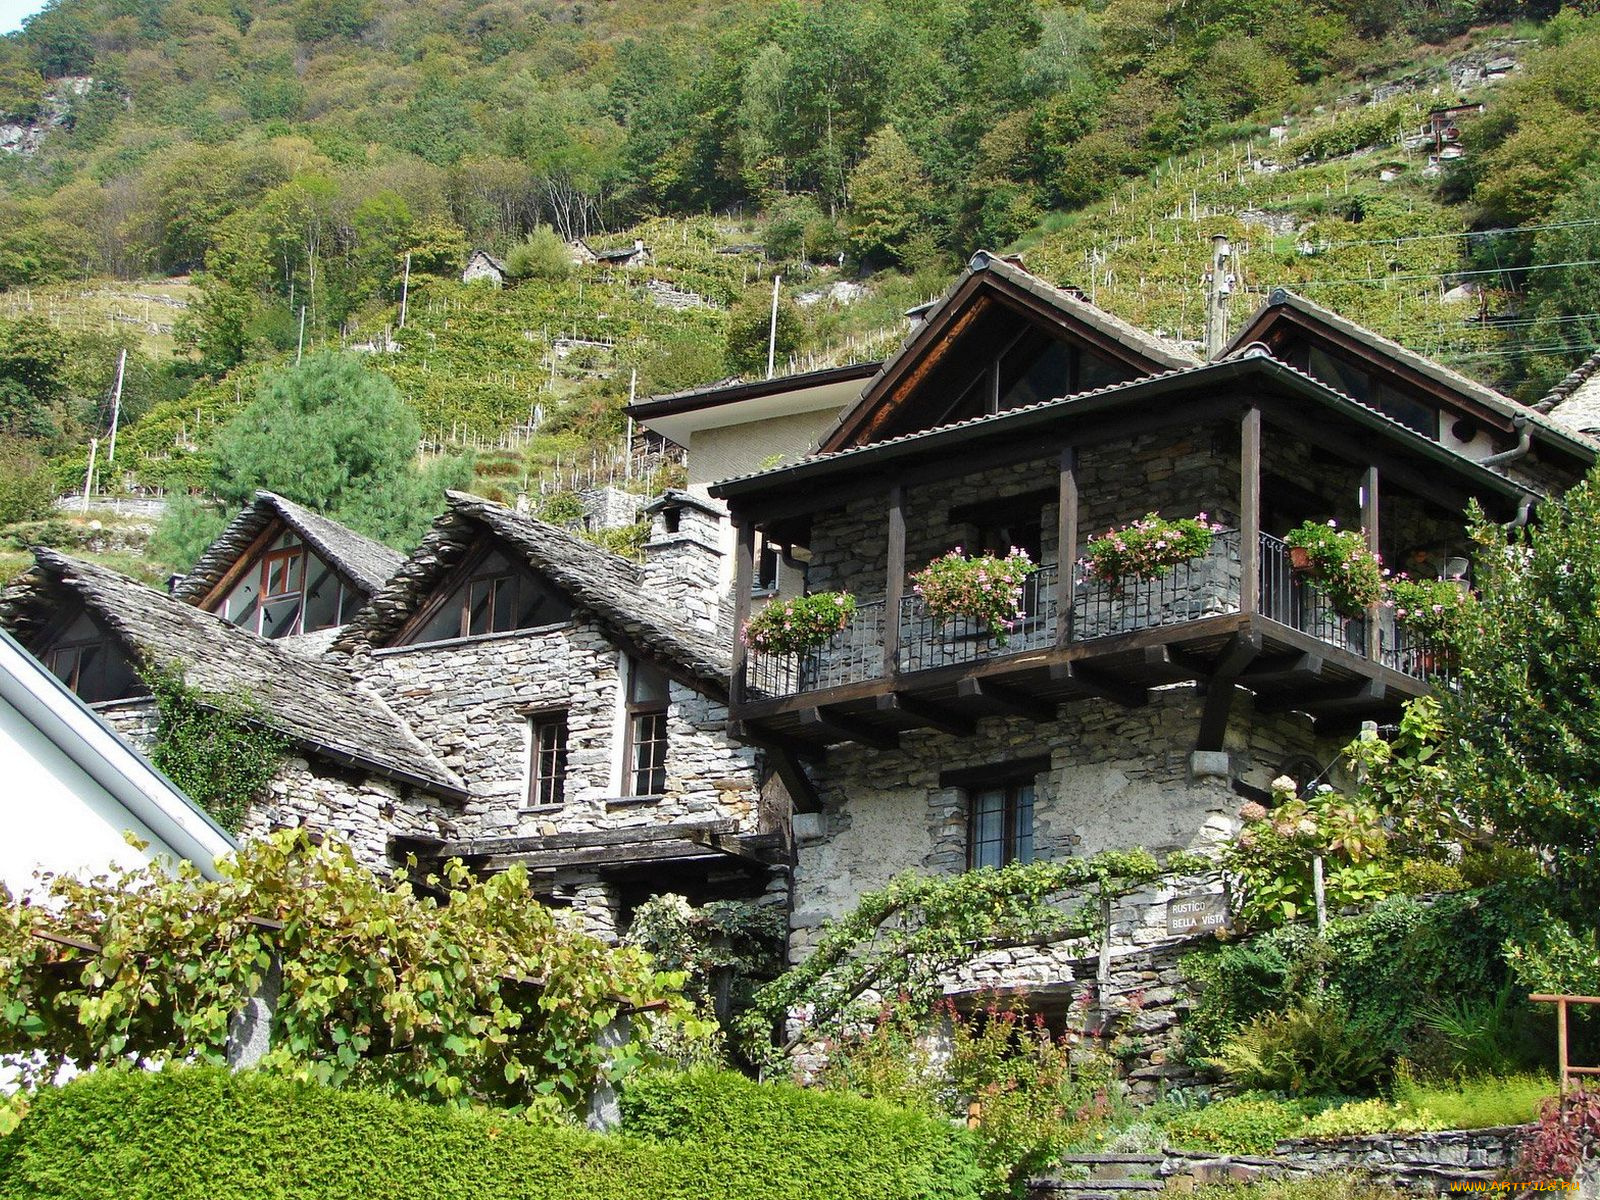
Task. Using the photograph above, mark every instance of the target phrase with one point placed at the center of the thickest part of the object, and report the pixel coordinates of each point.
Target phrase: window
(999, 810)
(547, 758)
(288, 590)
(84, 659)
(645, 758)
(493, 594)
(766, 573)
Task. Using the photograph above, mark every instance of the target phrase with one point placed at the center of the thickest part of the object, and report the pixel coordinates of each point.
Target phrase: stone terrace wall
(470, 699)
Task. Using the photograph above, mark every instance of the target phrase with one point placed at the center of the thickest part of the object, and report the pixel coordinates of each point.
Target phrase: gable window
(492, 594)
(288, 590)
(645, 753)
(87, 661)
(999, 810)
(547, 758)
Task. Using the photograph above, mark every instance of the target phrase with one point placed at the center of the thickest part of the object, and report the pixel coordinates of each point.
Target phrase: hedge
(201, 1133)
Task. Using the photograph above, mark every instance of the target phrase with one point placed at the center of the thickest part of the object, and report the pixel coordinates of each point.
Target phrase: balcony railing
(1202, 587)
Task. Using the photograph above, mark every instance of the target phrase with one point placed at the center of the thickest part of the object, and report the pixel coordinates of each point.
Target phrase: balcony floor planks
(1147, 658)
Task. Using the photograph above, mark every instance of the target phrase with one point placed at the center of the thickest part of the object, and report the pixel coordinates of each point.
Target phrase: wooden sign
(1205, 913)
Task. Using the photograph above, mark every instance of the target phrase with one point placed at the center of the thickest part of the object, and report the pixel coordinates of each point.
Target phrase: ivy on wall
(213, 746)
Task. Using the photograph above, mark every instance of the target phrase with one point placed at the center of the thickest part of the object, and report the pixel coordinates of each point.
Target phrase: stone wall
(684, 568)
(362, 808)
(471, 699)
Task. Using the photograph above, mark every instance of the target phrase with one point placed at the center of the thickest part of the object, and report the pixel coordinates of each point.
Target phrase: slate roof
(1481, 392)
(318, 705)
(1575, 401)
(1252, 358)
(365, 563)
(608, 586)
(494, 262)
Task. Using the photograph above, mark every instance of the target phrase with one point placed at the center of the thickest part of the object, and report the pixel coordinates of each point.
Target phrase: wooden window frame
(472, 581)
(547, 776)
(635, 712)
(1009, 778)
(289, 554)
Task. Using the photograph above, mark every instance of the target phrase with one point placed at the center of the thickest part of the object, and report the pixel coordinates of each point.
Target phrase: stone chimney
(683, 558)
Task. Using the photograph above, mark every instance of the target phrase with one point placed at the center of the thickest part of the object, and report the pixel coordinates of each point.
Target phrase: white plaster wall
(53, 814)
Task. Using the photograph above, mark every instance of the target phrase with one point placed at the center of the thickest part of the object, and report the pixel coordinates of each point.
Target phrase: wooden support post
(894, 585)
(744, 571)
(1369, 519)
(1561, 1042)
(1066, 545)
(1250, 512)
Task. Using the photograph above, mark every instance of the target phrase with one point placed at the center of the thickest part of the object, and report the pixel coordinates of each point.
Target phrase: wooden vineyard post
(1561, 1001)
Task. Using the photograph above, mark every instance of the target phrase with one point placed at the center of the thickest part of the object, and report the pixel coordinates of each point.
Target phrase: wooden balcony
(1279, 639)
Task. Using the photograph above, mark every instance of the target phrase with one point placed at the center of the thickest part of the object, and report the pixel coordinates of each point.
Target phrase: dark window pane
(649, 754)
(279, 618)
(548, 773)
(505, 604)
(322, 598)
(480, 595)
(646, 685)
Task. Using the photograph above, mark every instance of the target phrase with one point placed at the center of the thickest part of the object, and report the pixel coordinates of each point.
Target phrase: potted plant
(983, 587)
(1148, 548)
(798, 625)
(1339, 565)
(1435, 610)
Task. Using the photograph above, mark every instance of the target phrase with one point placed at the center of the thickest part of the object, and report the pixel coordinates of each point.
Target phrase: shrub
(1369, 1116)
(1242, 1125)
(1342, 568)
(27, 485)
(1566, 1137)
(984, 588)
(543, 255)
(790, 1143)
(1313, 1048)
(1149, 547)
(794, 626)
(194, 1133)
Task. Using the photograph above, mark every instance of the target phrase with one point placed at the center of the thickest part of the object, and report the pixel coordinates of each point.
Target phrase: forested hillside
(215, 185)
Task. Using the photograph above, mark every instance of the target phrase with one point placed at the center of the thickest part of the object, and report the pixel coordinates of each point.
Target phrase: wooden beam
(999, 699)
(1367, 693)
(735, 846)
(1250, 511)
(894, 585)
(1301, 668)
(921, 712)
(744, 570)
(841, 728)
(786, 766)
(1369, 519)
(1241, 651)
(587, 839)
(1100, 683)
(756, 733)
(598, 856)
(1066, 545)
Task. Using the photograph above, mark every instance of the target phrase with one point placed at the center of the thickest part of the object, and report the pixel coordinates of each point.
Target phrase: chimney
(683, 558)
(1219, 286)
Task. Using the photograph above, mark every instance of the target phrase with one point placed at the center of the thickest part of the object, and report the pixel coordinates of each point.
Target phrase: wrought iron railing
(1201, 587)
(927, 641)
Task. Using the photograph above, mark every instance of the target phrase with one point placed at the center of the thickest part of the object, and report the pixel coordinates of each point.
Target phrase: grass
(1479, 1103)
(1332, 1186)
(147, 307)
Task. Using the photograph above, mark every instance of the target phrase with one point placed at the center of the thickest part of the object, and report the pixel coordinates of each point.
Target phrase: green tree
(60, 41)
(750, 329)
(542, 255)
(1521, 731)
(334, 435)
(890, 198)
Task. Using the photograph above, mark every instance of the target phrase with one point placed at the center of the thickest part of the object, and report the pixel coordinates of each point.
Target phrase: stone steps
(1092, 1189)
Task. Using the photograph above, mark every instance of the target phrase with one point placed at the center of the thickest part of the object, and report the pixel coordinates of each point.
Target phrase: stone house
(483, 265)
(1017, 414)
(353, 767)
(287, 573)
(582, 699)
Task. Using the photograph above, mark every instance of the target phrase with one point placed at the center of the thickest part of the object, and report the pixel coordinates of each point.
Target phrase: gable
(1001, 339)
(282, 586)
(492, 590)
(83, 655)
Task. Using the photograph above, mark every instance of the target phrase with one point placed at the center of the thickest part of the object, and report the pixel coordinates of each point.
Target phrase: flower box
(983, 588)
(795, 626)
(1339, 565)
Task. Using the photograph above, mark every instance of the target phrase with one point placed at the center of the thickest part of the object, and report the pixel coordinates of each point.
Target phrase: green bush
(542, 256)
(205, 1134)
(788, 1142)
(1313, 1049)
(1478, 1103)
(1243, 1125)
